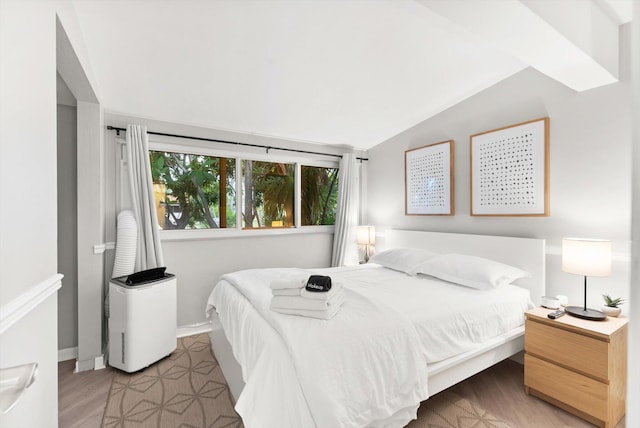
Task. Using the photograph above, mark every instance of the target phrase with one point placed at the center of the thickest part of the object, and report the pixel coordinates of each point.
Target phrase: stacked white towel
(288, 286)
(290, 297)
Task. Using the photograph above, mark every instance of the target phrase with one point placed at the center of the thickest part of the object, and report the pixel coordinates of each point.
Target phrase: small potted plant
(611, 306)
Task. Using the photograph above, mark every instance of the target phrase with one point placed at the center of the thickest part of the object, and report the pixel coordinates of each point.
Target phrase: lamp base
(588, 314)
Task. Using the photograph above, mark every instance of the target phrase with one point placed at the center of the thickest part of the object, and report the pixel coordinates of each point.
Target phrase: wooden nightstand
(577, 365)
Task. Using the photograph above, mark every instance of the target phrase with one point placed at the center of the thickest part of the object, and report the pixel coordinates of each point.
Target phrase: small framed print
(510, 170)
(428, 179)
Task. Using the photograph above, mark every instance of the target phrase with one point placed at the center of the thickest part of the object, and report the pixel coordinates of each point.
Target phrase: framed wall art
(428, 179)
(510, 170)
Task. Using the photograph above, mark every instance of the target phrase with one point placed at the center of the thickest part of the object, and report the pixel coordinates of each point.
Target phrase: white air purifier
(142, 322)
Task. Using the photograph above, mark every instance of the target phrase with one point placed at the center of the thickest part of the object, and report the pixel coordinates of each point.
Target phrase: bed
(269, 360)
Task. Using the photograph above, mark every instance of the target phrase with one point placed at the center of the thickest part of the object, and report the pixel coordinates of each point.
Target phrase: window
(268, 194)
(193, 191)
(319, 195)
(196, 191)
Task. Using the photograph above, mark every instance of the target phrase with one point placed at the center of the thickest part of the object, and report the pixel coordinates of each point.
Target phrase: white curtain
(345, 250)
(149, 251)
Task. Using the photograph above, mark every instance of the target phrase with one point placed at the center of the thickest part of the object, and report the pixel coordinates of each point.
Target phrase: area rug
(188, 390)
(448, 410)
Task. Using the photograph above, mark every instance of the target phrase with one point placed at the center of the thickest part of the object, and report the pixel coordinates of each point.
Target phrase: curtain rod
(113, 128)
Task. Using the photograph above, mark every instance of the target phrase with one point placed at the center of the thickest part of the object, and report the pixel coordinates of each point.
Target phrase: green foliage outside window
(319, 195)
(190, 190)
(268, 194)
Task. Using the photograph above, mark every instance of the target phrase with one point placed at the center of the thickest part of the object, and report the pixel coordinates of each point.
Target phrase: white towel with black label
(322, 295)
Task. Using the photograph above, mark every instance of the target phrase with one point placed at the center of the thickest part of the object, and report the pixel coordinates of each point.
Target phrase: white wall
(633, 386)
(91, 231)
(28, 221)
(590, 170)
(198, 263)
(73, 67)
(33, 340)
(28, 137)
(67, 228)
(86, 212)
(28, 177)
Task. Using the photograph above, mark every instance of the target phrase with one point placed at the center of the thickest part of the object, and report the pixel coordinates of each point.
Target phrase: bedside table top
(602, 329)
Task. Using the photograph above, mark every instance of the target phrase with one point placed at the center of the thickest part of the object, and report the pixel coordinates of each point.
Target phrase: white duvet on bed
(450, 319)
(361, 367)
(374, 370)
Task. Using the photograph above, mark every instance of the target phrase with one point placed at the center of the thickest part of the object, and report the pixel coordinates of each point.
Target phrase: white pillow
(470, 271)
(402, 259)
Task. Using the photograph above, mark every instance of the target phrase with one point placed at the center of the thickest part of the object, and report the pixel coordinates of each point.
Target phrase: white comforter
(450, 319)
(374, 372)
(365, 367)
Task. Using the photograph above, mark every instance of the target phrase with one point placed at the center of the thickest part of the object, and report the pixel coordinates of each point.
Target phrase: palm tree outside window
(195, 191)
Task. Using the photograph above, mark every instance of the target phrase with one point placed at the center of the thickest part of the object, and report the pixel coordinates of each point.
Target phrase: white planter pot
(611, 312)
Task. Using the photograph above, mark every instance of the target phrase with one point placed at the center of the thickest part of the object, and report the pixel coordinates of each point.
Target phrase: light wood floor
(499, 390)
(82, 397)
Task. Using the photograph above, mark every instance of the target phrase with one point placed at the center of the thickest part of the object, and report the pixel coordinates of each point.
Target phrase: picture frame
(510, 170)
(428, 175)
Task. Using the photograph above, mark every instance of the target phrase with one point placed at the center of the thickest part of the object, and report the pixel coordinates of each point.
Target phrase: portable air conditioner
(142, 322)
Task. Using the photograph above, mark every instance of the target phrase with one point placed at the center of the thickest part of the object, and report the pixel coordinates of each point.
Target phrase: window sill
(212, 234)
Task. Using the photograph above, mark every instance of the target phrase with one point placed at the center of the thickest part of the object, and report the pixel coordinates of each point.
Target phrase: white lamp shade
(588, 257)
(366, 235)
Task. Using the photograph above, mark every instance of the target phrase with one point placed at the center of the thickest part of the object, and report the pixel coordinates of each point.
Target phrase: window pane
(193, 191)
(319, 195)
(268, 194)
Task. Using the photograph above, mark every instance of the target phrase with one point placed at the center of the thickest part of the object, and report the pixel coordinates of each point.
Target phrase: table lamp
(366, 236)
(587, 257)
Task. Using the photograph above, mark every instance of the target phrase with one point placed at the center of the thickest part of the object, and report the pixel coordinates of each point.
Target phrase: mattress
(445, 319)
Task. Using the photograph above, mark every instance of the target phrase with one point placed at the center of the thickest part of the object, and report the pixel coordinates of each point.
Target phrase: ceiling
(354, 72)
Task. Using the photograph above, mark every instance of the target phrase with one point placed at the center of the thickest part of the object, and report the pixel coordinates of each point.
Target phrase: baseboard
(72, 354)
(187, 330)
(190, 330)
(97, 363)
(67, 354)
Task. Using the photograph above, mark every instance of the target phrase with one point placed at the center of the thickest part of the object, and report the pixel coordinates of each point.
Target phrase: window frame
(157, 144)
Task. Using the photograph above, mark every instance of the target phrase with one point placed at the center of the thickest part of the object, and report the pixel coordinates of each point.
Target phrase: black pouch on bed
(319, 283)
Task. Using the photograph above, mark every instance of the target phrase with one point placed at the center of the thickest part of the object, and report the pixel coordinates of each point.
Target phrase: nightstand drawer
(578, 352)
(580, 392)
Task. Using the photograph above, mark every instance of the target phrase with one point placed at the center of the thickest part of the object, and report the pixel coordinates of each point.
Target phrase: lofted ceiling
(353, 72)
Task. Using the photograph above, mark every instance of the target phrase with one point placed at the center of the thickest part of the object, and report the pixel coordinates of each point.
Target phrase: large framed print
(510, 170)
(428, 176)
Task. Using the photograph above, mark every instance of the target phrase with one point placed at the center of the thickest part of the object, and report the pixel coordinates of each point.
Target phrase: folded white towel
(287, 292)
(323, 315)
(299, 302)
(281, 283)
(322, 295)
